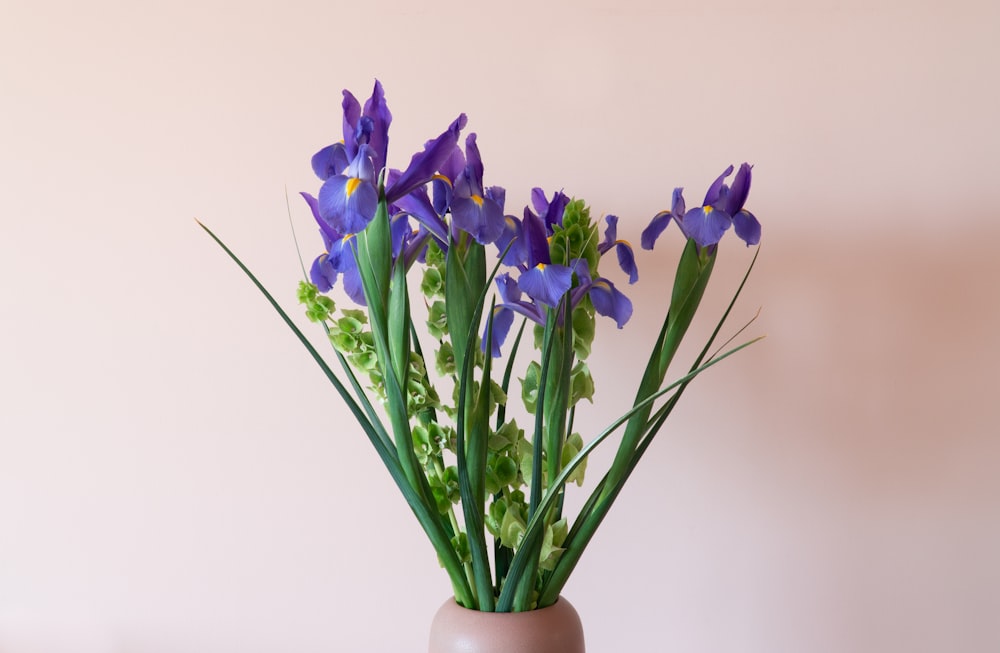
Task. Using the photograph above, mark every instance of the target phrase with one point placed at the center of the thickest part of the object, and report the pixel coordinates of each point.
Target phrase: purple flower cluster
(441, 195)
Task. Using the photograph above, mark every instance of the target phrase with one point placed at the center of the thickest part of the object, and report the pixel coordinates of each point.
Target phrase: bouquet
(483, 461)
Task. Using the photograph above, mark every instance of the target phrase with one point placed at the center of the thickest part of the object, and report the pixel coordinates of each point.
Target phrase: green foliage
(464, 465)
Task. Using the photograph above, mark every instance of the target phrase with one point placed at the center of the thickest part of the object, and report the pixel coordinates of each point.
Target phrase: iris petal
(705, 225)
(610, 302)
(378, 112)
(503, 318)
(715, 190)
(546, 283)
(322, 273)
(747, 227)
(480, 217)
(655, 228)
(626, 260)
(424, 164)
(331, 160)
(347, 210)
(739, 191)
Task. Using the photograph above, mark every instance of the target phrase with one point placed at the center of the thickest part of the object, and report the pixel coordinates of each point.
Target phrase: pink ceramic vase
(555, 629)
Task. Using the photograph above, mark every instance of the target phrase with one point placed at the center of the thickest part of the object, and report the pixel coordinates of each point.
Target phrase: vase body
(555, 629)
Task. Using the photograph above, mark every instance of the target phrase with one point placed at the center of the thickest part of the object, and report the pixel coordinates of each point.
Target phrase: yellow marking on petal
(622, 241)
(478, 200)
(602, 284)
(441, 177)
(540, 266)
(352, 185)
(346, 238)
(707, 209)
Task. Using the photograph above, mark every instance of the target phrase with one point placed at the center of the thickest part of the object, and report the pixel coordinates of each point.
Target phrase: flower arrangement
(438, 406)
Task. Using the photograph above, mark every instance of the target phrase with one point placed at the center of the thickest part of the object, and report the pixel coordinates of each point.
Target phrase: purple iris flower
(606, 298)
(706, 224)
(338, 259)
(623, 248)
(348, 198)
(474, 209)
(361, 127)
(542, 281)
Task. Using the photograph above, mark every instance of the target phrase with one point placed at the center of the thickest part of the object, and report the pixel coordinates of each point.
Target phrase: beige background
(176, 476)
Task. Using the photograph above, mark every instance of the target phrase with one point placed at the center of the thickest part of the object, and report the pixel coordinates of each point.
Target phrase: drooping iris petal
(747, 227)
(399, 233)
(610, 302)
(656, 226)
(343, 258)
(322, 273)
(503, 318)
(546, 283)
(507, 287)
(662, 219)
(626, 260)
(330, 161)
(623, 248)
(479, 216)
(705, 225)
(353, 285)
(328, 232)
(424, 164)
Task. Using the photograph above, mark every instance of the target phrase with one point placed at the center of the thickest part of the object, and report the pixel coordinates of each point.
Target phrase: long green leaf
(589, 520)
(427, 517)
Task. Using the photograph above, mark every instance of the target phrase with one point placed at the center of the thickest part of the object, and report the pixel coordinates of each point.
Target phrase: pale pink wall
(175, 475)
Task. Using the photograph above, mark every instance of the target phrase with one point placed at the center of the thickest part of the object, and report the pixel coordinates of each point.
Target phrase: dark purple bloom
(475, 210)
(606, 298)
(542, 281)
(369, 127)
(706, 224)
